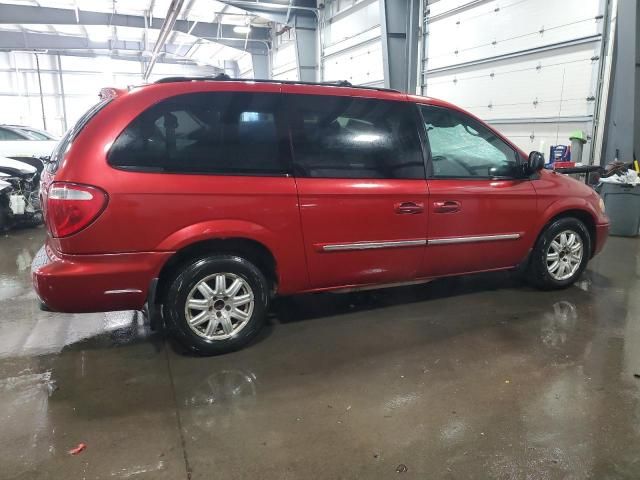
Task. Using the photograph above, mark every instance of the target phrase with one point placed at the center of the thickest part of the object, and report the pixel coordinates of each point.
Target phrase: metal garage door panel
(352, 47)
(536, 87)
(354, 41)
(540, 136)
(443, 6)
(561, 82)
(481, 31)
(284, 63)
(8, 81)
(16, 109)
(361, 65)
(347, 24)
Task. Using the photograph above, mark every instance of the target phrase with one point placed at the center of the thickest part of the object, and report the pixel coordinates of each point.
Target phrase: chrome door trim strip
(335, 247)
(125, 290)
(472, 239)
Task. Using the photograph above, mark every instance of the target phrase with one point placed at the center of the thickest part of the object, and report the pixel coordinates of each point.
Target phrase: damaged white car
(19, 194)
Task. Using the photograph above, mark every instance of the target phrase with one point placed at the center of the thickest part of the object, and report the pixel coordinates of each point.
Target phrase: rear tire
(216, 304)
(560, 255)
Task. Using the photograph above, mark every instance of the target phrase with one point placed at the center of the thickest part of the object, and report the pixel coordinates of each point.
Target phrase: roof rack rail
(220, 77)
(226, 78)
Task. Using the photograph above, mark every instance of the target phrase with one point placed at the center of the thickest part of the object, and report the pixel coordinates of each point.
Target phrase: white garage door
(529, 67)
(352, 49)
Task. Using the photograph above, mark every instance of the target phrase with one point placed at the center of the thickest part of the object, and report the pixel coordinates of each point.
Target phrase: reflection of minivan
(206, 197)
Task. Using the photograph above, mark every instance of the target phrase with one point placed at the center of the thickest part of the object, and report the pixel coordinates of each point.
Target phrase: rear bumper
(94, 283)
(602, 233)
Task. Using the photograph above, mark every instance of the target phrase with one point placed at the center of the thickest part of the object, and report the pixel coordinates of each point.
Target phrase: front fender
(563, 205)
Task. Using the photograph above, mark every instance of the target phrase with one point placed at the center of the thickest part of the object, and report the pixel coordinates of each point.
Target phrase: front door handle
(447, 206)
(409, 208)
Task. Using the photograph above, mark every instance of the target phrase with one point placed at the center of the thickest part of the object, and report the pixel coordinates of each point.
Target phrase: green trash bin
(622, 203)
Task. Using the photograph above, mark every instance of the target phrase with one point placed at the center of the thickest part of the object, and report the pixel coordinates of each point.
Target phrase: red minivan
(202, 198)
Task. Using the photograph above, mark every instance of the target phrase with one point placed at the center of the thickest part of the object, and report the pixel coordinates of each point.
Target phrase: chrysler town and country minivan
(202, 198)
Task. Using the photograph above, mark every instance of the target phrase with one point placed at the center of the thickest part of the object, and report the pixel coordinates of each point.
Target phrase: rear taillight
(72, 207)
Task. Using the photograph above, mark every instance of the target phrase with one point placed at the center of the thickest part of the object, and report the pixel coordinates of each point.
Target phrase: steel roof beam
(25, 15)
(81, 47)
(303, 11)
(54, 42)
(167, 27)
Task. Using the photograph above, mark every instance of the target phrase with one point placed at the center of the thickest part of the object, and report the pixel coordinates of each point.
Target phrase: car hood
(9, 165)
(27, 148)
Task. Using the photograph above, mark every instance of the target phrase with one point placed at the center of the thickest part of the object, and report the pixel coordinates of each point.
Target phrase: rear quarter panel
(154, 212)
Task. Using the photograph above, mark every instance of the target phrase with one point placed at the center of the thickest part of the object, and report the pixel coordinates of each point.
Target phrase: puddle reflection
(558, 324)
(224, 387)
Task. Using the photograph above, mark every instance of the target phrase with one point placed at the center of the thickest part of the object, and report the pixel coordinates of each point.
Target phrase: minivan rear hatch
(63, 146)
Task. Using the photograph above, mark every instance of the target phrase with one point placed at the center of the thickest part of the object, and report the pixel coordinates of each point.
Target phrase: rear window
(65, 142)
(232, 133)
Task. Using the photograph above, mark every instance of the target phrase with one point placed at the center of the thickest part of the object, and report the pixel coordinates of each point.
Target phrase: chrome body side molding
(337, 247)
(472, 239)
(373, 245)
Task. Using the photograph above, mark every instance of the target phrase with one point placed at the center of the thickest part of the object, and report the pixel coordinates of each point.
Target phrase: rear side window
(345, 137)
(233, 133)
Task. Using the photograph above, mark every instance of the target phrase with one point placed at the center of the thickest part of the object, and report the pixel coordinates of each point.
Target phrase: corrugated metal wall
(530, 67)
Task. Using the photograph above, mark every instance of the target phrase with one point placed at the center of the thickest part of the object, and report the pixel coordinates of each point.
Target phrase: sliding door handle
(447, 206)
(409, 208)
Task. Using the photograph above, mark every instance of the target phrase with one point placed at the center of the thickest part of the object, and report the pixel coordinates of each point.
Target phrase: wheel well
(251, 250)
(585, 217)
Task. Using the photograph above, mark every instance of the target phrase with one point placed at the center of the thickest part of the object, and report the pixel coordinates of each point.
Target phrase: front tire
(560, 254)
(216, 304)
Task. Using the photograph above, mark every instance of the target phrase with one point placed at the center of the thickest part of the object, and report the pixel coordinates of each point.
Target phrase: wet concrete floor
(481, 377)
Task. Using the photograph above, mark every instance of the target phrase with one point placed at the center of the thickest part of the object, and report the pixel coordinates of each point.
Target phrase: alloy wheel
(219, 306)
(564, 255)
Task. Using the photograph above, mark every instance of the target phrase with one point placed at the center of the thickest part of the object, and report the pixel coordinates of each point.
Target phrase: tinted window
(219, 132)
(62, 147)
(462, 147)
(343, 137)
(9, 135)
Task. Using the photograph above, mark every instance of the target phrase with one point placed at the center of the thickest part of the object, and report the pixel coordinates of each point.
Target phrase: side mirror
(535, 163)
